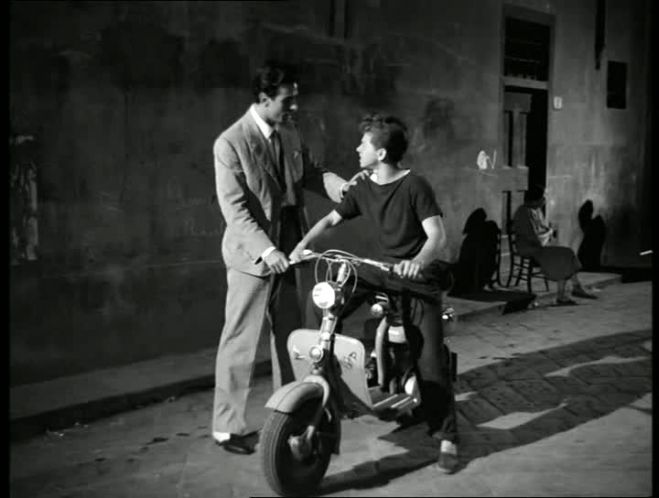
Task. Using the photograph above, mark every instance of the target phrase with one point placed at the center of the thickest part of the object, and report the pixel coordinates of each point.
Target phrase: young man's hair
(271, 76)
(387, 132)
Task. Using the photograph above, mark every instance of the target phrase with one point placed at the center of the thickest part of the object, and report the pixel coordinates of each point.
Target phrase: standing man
(261, 167)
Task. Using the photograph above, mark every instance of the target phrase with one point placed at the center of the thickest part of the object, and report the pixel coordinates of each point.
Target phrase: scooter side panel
(299, 342)
(349, 352)
(351, 355)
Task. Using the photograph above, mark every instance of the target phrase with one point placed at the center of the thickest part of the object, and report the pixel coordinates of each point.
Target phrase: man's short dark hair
(387, 132)
(271, 76)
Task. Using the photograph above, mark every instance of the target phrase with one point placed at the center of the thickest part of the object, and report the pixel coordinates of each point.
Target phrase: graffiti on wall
(23, 228)
(483, 161)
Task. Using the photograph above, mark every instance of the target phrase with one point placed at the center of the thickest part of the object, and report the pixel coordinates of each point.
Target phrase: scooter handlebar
(307, 255)
(386, 267)
(338, 256)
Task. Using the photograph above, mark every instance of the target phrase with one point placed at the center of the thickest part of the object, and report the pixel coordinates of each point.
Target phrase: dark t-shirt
(396, 210)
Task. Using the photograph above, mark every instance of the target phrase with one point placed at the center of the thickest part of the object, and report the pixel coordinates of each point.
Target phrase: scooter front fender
(290, 397)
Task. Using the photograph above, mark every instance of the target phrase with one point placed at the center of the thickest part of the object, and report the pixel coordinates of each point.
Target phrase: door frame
(526, 14)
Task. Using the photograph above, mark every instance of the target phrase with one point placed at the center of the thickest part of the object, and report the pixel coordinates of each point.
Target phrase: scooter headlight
(323, 295)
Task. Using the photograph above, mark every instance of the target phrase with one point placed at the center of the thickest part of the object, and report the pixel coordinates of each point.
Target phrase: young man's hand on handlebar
(409, 269)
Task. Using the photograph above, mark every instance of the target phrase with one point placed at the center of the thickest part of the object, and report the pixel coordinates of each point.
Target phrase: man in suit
(261, 169)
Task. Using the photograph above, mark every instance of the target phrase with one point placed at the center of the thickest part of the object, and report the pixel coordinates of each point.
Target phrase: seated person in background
(532, 237)
(401, 206)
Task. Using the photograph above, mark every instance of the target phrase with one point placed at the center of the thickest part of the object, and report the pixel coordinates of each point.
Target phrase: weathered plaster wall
(126, 98)
(598, 153)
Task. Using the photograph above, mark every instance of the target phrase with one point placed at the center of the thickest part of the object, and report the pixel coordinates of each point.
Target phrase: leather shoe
(240, 445)
(583, 293)
(566, 301)
(447, 462)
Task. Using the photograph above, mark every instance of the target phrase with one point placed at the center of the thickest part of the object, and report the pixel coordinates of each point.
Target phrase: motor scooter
(335, 378)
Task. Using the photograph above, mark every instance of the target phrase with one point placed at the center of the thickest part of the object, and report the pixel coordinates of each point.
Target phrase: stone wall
(124, 100)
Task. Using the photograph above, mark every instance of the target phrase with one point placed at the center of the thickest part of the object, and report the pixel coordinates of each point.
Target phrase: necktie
(277, 152)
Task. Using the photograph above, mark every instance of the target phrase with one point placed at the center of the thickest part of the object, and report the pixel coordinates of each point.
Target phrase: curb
(29, 426)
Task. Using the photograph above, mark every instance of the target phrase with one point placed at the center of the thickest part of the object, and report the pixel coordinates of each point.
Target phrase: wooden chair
(527, 268)
(497, 278)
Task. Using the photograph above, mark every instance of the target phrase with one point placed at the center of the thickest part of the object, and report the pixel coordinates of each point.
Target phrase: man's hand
(409, 269)
(276, 261)
(353, 181)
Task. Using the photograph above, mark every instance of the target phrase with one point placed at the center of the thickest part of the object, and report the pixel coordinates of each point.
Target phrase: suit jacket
(250, 193)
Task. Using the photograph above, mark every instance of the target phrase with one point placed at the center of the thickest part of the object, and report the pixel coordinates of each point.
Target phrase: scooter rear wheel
(286, 473)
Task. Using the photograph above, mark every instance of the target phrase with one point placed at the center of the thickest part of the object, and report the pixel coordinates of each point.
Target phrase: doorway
(526, 65)
(526, 68)
(525, 131)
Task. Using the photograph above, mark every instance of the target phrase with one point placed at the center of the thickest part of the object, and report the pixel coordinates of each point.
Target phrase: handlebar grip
(307, 255)
(386, 267)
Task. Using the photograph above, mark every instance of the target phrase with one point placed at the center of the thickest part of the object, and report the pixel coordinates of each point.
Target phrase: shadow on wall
(521, 400)
(594, 235)
(477, 261)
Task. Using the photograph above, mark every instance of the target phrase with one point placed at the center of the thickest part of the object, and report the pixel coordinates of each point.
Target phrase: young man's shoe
(581, 292)
(565, 301)
(240, 445)
(447, 462)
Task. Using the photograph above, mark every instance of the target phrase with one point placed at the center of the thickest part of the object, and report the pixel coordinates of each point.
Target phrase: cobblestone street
(554, 401)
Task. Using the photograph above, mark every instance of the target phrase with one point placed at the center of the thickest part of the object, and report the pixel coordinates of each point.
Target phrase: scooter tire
(286, 474)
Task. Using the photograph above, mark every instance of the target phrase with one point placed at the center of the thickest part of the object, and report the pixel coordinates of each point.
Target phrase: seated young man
(401, 206)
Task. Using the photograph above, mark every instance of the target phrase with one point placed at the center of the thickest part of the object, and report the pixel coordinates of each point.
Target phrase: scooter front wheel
(288, 470)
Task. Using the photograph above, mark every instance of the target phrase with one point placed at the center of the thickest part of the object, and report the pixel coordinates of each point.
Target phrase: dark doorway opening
(525, 131)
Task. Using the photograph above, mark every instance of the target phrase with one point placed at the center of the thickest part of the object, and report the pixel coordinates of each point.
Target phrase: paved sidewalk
(63, 402)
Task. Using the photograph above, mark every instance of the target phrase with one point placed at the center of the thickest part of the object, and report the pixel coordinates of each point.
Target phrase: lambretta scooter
(335, 378)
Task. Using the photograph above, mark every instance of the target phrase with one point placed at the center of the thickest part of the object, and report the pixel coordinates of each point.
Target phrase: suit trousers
(254, 305)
